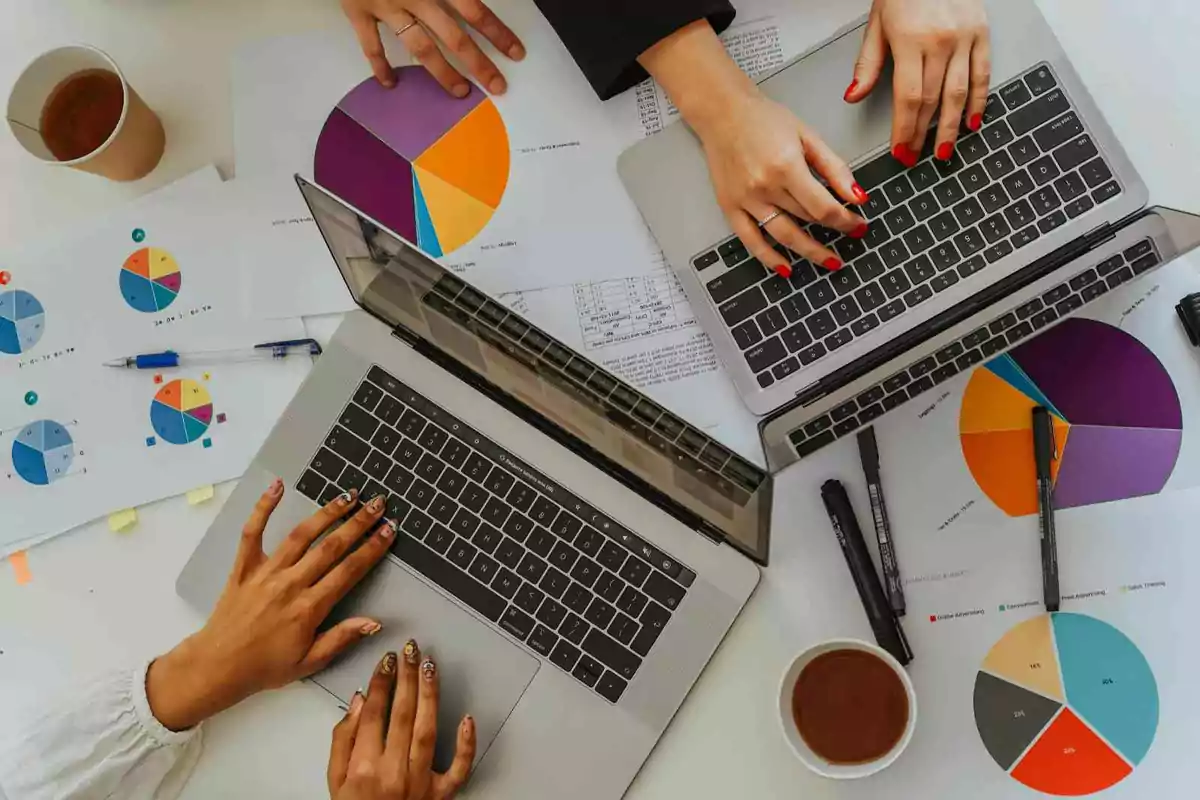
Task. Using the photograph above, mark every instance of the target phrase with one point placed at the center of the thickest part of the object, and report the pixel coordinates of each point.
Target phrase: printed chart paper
(78, 439)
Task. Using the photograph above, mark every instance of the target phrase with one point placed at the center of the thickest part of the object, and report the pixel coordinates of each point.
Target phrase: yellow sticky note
(120, 521)
(201, 494)
(20, 565)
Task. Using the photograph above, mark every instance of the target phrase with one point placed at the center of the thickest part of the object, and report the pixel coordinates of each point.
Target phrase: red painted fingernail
(784, 271)
(945, 151)
(860, 194)
(904, 155)
(850, 90)
(975, 122)
(859, 232)
(833, 264)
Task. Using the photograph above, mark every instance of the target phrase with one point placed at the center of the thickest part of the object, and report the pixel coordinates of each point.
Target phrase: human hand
(421, 25)
(377, 755)
(942, 53)
(263, 632)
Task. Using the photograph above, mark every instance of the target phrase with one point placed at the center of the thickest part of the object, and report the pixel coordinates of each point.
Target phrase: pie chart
(428, 166)
(1117, 418)
(43, 452)
(150, 280)
(22, 322)
(1066, 704)
(181, 411)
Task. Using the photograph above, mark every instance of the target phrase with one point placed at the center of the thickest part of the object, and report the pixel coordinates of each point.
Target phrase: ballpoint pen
(259, 352)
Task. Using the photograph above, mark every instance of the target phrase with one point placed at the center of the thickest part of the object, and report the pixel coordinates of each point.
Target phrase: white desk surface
(100, 598)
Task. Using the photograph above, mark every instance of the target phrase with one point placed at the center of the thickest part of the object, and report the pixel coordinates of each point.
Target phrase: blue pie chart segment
(43, 452)
(22, 322)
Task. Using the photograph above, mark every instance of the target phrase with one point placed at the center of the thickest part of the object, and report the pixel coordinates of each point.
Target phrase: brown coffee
(81, 113)
(850, 707)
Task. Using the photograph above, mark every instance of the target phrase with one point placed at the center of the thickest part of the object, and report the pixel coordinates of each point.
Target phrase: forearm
(700, 77)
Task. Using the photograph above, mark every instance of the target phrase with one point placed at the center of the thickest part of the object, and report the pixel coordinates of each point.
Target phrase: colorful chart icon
(1066, 704)
(181, 411)
(1117, 418)
(22, 322)
(429, 166)
(150, 280)
(43, 452)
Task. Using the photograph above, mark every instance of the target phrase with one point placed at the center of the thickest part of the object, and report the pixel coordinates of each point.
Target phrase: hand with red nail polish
(942, 56)
(383, 748)
(264, 631)
(763, 161)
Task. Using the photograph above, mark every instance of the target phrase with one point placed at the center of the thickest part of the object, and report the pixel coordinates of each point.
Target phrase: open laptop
(1032, 200)
(570, 552)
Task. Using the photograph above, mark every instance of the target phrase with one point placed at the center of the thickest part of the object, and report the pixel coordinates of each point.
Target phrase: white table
(100, 598)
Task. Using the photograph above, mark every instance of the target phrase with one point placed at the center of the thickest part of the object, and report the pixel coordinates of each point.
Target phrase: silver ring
(413, 24)
(773, 215)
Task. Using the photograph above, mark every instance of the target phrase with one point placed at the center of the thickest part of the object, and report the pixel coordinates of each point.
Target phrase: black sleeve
(606, 37)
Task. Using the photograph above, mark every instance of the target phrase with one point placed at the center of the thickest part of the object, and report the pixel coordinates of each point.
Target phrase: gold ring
(400, 31)
(773, 215)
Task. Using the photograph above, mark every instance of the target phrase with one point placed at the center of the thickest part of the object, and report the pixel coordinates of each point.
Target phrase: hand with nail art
(426, 28)
(761, 158)
(263, 633)
(942, 57)
(383, 748)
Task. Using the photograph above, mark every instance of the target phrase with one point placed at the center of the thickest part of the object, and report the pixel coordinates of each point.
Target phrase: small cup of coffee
(847, 707)
(73, 107)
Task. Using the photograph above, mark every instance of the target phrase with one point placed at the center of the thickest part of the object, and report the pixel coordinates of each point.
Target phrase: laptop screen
(603, 419)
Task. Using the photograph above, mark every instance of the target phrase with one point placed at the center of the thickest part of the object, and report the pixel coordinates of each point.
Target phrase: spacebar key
(446, 575)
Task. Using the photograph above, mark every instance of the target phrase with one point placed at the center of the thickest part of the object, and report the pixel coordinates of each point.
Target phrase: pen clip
(280, 348)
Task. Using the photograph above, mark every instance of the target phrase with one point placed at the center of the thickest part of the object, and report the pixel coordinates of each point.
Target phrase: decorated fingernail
(850, 90)
(276, 488)
(371, 628)
(411, 653)
(832, 264)
(461, 90)
(860, 231)
(784, 271)
(428, 669)
(904, 155)
(388, 529)
(346, 498)
(975, 122)
(388, 665)
(356, 702)
(860, 194)
(376, 504)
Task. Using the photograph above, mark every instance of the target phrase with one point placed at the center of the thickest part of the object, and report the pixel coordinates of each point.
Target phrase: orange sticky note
(20, 565)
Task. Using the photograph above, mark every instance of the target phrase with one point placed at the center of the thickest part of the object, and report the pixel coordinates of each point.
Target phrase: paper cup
(805, 753)
(131, 151)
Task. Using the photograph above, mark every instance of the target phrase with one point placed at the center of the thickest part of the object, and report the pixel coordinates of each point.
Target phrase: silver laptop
(570, 552)
(1031, 199)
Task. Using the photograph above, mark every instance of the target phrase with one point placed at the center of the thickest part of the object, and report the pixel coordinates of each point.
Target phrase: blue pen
(260, 352)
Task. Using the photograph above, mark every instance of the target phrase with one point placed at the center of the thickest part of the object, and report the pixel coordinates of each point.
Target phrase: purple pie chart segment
(1100, 465)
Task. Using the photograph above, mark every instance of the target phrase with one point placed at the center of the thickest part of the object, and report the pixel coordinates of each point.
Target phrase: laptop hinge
(405, 335)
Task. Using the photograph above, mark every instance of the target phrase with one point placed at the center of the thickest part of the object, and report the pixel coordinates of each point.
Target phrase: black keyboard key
(998, 251)
(1140, 249)
(899, 219)
(744, 306)
(1144, 264)
(543, 511)
(611, 653)
(1045, 200)
(1020, 214)
(1092, 292)
(1083, 279)
(432, 438)
(1040, 81)
(820, 324)
(1067, 306)
(765, 354)
(328, 464)
(706, 260)
(968, 212)
(654, 618)
(894, 401)
(635, 571)
(531, 568)
(311, 485)
(869, 267)
(950, 352)
(1070, 186)
(947, 168)
(943, 374)
(487, 538)
(462, 553)
(1018, 184)
(736, 281)
(1043, 319)
(839, 339)
(917, 296)
(870, 413)
(599, 613)
(971, 149)
(1044, 170)
(368, 395)
(565, 655)
(966, 360)
(577, 598)
(949, 192)
(993, 346)
(864, 325)
(891, 310)
(820, 293)
(899, 190)
(1015, 94)
(550, 612)
(1003, 323)
(506, 583)
(1019, 332)
(998, 165)
(993, 198)
(1095, 172)
(563, 556)
(924, 206)
(1074, 153)
(443, 509)
(795, 308)
(969, 242)
(359, 422)
(1119, 277)
(944, 225)
(994, 228)
(474, 497)
(796, 338)
(439, 539)
(543, 640)
(878, 171)
(483, 600)
(923, 176)
(849, 249)
(776, 288)
(529, 598)
(411, 424)
(451, 483)
(541, 541)
(1039, 112)
(1056, 294)
(944, 281)
(484, 567)
(923, 367)
(819, 424)
(408, 453)
(770, 321)
(897, 381)
(997, 135)
(919, 239)
(352, 478)
(347, 445)
(895, 283)
(429, 467)
(1058, 132)
(518, 526)
(971, 266)
(417, 524)
(973, 179)
(1079, 207)
(845, 311)
(1023, 151)
(1055, 220)
(587, 671)
(845, 280)
(499, 481)
(920, 270)
(477, 467)
(566, 526)
(1106, 192)
(876, 205)
(894, 253)
(386, 439)
(811, 354)
(747, 334)
(1029, 309)
(783, 369)
(869, 298)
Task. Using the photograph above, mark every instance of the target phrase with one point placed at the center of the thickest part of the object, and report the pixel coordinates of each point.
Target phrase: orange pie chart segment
(473, 155)
(1069, 760)
(1001, 462)
(993, 404)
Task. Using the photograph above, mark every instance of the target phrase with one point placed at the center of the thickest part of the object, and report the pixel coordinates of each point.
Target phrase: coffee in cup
(848, 708)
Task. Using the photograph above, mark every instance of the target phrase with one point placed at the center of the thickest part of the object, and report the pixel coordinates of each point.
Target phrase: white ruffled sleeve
(101, 742)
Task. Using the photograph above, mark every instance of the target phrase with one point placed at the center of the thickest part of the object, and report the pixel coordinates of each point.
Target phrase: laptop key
(944, 281)
(735, 281)
(352, 478)
(997, 135)
(891, 310)
(998, 251)
(946, 168)
(971, 266)
(623, 629)
(894, 253)
(944, 225)
(1015, 94)
(765, 354)
(998, 165)
(529, 598)
(600, 613)
(895, 283)
(587, 671)
(993, 346)
(920, 270)
(943, 374)
(811, 354)
(844, 428)
(483, 600)
(1018, 333)
(918, 295)
(1044, 170)
(744, 306)
(1092, 292)
(1083, 279)
(417, 524)
(462, 553)
(864, 325)
(585, 571)
(924, 176)
(443, 509)
(610, 587)
(484, 567)
(1055, 220)
(820, 324)
(869, 297)
(565, 655)
(820, 294)
(897, 381)
(944, 256)
(995, 228)
(1023, 151)
(1144, 263)
(899, 219)
(923, 367)
(347, 445)
(1070, 186)
(839, 339)
(1039, 112)
(919, 386)
(1067, 306)
(878, 171)
(844, 411)
(509, 553)
(969, 242)
(1095, 172)
(972, 148)
(332, 491)
(706, 260)
(311, 485)
(1119, 277)
(1079, 207)
(612, 653)
(1074, 153)
(949, 192)
(919, 239)
(543, 640)
(783, 369)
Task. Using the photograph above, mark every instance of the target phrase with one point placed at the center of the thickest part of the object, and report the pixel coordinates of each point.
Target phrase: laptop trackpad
(482, 673)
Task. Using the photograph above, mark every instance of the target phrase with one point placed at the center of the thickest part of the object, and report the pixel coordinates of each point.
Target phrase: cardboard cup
(134, 147)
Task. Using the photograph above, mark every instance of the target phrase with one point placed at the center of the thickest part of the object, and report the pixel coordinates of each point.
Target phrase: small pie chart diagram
(22, 322)
(43, 452)
(181, 411)
(431, 167)
(150, 280)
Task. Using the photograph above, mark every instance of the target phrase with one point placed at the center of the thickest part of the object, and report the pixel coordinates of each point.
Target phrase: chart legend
(22, 322)
(150, 280)
(429, 166)
(181, 412)
(1066, 704)
(43, 452)
(1118, 423)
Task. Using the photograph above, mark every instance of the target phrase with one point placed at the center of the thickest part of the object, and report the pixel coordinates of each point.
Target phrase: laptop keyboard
(1000, 334)
(1031, 169)
(549, 570)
